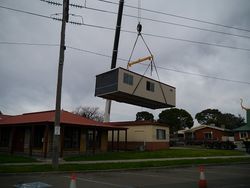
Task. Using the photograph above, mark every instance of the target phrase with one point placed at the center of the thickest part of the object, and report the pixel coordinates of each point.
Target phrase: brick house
(32, 134)
(202, 133)
(141, 135)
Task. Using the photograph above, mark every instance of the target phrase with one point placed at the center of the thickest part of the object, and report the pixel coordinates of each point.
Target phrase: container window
(160, 134)
(150, 86)
(128, 79)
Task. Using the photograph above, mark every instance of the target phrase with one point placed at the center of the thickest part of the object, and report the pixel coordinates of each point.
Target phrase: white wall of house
(142, 133)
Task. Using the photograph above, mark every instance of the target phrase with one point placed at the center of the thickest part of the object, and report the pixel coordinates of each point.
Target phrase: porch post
(118, 139)
(83, 141)
(11, 143)
(126, 139)
(45, 141)
(31, 139)
(112, 144)
(94, 141)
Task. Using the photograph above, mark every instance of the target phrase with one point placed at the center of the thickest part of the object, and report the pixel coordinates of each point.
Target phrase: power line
(169, 23)
(26, 12)
(205, 76)
(178, 16)
(133, 32)
(126, 60)
(28, 44)
(196, 42)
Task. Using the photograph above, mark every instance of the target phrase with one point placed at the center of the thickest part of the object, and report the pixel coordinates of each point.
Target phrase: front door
(18, 139)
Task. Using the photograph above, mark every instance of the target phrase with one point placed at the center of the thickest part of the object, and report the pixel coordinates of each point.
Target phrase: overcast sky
(28, 73)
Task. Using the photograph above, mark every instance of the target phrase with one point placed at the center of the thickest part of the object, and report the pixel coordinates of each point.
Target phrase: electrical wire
(125, 60)
(28, 44)
(169, 23)
(133, 32)
(202, 75)
(23, 11)
(196, 42)
(178, 16)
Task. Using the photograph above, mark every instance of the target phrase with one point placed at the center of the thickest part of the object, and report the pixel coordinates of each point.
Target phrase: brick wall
(217, 134)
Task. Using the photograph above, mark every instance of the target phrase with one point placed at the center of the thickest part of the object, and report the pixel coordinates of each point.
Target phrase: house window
(71, 137)
(150, 86)
(128, 79)
(160, 134)
(38, 137)
(208, 136)
(243, 135)
(5, 136)
(93, 139)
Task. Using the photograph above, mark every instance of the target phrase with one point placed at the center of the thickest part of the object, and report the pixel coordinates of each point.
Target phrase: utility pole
(56, 136)
(114, 56)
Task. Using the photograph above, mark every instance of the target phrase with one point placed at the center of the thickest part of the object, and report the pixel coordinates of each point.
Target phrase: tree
(1, 112)
(144, 116)
(208, 117)
(230, 121)
(90, 113)
(214, 116)
(176, 118)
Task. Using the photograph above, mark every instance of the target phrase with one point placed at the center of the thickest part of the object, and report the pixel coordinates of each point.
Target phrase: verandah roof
(48, 117)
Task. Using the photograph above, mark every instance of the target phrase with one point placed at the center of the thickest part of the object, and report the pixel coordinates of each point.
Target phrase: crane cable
(152, 62)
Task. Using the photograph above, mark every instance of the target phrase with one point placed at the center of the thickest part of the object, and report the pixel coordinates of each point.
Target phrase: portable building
(122, 85)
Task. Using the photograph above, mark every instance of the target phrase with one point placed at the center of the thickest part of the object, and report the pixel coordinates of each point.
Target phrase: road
(227, 176)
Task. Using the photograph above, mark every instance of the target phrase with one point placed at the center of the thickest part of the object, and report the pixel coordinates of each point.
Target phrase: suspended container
(123, 85)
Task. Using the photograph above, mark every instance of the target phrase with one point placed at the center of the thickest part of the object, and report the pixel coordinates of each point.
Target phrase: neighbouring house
(32, 134)
(141, 135)
(242, 133)
(203, 133)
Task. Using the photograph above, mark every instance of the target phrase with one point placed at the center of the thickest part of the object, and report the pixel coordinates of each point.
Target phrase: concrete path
(48, 161)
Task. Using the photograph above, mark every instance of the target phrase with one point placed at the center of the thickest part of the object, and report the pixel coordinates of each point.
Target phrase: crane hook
(139, 28)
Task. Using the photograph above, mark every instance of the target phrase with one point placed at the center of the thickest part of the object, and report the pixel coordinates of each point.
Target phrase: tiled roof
(49, 117)
(136, 123)
(206, 126)
(2, 117)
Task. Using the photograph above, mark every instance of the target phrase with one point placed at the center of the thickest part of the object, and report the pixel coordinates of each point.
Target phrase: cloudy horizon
(205, 76)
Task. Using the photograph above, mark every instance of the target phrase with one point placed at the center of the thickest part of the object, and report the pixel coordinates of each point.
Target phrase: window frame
(72, 137)
(245, 133)
(38, 137)
(5, 134)
(161, 134)
(206, 137)
(128, 79)
(150, 86)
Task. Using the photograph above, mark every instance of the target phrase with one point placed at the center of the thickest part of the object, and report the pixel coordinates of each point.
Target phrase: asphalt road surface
(228, 176)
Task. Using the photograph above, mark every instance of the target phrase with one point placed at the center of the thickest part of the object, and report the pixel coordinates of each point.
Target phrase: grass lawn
(5, 158)
(112, 166)
(170, 153)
